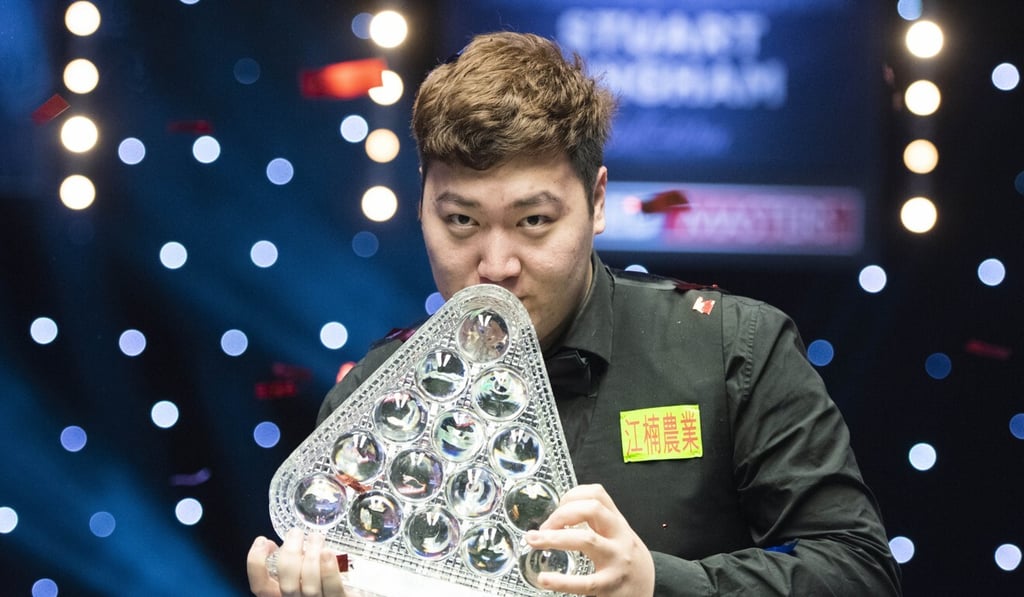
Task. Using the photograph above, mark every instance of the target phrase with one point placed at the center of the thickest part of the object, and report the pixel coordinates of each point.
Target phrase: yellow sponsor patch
(661, 433)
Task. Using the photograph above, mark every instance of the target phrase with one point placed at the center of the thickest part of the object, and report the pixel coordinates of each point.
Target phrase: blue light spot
(266, 435)
(354, 128)
(1017, 425)
(73, 438)
(280, 171)
(164, 414)
(1018, 183)
(922, 456)
(434, 302)
(938, 366)
(44, 587)
(333, 335)
(188, 511)
(1008, 557)
(206, 149)
(102, 524)
(636, 267)
(43, 330)
(173, 255)
(361, 25)
(872, 279)
(263, 253)
(131, 151)
(909, 10)
(247, 71)
(365, 244)
(820, 353)
(1005, 77)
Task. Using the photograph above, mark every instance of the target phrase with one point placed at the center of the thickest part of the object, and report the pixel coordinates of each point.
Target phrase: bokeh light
(434, 302)
(102, 524)
(365, 244)
(173, 255)
(73, 438)
(8, 519)
(919, 215)
(44, 587)
(247, 71)
(354, 128)
(923, 98)
(1005, 77)
(1018, 182)
(938, 365)
(924, 39)
(266, 434)
(1017, 425)
(379, 203)
(991, 272)
(206, 149)
(81, 76)
(820, 353)
(82, 18)
(388, 29)
(164, 414)
(188, 511)
(131, 151)
(132, 343)
(382, 146)
(902, 549)
(234, 343)
(909, 10)
(872, 279)
(1008, 557)
(333, 335)
(43, 330)
(636, 267)
(361, 25)
(79, 134)
(280, 171)
(921, 156)
(389, 91)
(263, 253)
(77, 192)
(922, 456)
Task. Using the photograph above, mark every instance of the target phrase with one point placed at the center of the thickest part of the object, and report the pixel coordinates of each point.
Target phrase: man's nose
(499, 259)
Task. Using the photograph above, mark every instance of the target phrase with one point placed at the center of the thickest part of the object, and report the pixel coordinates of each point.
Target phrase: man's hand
(304, 568)
(587, 520)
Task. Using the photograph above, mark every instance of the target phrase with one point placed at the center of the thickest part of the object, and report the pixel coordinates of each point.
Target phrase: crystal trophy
(431, 472)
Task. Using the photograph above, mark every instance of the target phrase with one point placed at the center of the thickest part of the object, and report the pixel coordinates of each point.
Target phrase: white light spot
(280, 171)
(81, 76)
(77, 192)
(354, 128)
(992, 272)
(82, 18)
(1005, 77)
(79, 134)
(189, 511)
(263, 253)
(923, 98)
(379, 203)
(921, 156)
(924, 39)
(234, 343)
(164, 414)
(390, 89)
(173, 255)
(382, 146)
(872, 279)
(43, 330)
(388, 29)
(902, 549)
(206, 149)
(1008, 557)
(919, 215)
(334, 335)
(131, 151)
(132, 343)
(922, 456)
(8, 520)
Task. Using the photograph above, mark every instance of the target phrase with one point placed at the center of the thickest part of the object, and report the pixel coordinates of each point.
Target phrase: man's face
(524, 225)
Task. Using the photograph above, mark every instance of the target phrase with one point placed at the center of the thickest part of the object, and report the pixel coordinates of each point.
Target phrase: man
(767, 498)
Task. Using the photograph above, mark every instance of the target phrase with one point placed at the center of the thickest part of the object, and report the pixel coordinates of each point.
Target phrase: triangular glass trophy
(430, 473)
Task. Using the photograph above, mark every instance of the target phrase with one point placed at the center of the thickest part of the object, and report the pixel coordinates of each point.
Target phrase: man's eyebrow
(540, 198)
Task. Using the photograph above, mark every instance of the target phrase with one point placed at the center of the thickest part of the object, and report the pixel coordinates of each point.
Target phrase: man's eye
(460, 219)
(536, 220)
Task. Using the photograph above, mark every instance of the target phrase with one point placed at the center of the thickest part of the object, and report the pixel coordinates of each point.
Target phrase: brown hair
(512, 94)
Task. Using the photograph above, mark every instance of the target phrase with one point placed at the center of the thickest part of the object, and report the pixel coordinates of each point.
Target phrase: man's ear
(600, 188)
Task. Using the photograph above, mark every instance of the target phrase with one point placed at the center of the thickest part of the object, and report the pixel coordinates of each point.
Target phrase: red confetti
(50, 109)
(350, 481)
(664, 202)
(988, 351)
(292, 372)
(343, 371)
(276, 389)
(342, 562)
(196, 127)
(342, 80)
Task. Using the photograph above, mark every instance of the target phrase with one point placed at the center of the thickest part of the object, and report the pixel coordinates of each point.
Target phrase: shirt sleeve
(355, 377)
(815, 523)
